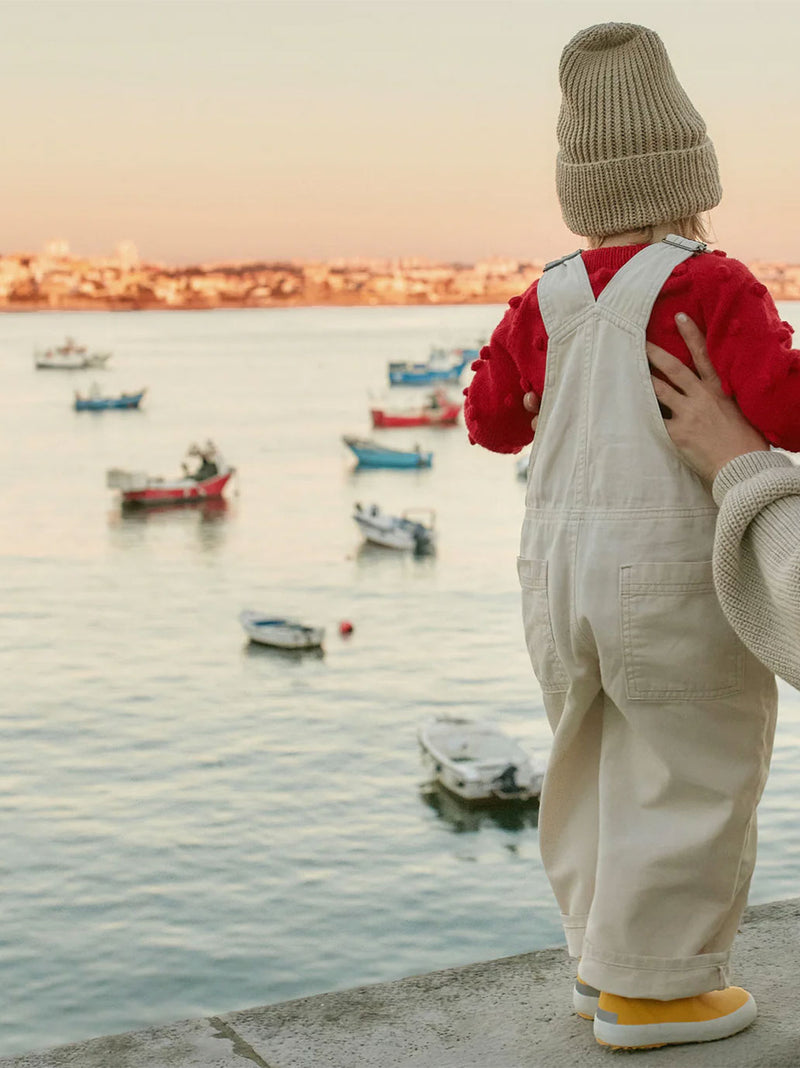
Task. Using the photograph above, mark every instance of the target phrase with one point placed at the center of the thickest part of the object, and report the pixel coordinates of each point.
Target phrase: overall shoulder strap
(563, 291)
(632, 291)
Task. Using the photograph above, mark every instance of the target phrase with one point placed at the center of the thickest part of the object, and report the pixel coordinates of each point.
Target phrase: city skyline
(210, 131)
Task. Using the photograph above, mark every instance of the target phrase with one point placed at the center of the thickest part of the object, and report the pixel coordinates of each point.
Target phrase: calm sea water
(190, 826)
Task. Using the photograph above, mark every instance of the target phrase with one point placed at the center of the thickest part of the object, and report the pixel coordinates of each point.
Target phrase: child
(662, 720)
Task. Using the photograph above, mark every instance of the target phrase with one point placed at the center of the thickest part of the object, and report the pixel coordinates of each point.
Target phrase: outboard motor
(505, 783)
(422, 539)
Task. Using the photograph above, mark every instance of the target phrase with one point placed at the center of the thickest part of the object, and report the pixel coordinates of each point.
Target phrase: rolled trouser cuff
(661, 978)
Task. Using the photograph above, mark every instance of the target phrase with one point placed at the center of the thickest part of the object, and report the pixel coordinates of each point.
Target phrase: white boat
(70, 357)
(280, 632)
(406, 531)
(523, 462)
(476, 761)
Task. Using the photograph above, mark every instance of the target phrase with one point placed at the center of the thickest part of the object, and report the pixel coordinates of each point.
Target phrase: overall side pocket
(547, 665)
(677, 644)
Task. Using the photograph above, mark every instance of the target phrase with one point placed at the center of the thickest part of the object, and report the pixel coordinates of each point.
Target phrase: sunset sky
(234, 129)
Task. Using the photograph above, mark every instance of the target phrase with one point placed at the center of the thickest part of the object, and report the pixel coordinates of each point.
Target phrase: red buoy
(345, 628)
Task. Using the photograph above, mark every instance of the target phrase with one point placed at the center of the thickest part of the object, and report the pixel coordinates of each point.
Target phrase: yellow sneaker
(584, 999)
(643, 1023)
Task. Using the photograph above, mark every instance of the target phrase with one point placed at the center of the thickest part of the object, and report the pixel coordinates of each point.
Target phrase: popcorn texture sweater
(748, 344)
(757, 557)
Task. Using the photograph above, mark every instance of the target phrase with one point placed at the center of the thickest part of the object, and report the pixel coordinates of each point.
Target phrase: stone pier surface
(508, 1013)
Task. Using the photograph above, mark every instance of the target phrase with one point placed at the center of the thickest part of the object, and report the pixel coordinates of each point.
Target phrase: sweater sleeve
(751, 350)
(493, 411)
(757, 557)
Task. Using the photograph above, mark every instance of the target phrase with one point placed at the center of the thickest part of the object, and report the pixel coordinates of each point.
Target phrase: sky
(208, 130)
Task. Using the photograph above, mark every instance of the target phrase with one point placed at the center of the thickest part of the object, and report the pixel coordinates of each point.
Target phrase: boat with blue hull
(371, 454)
(441, 366)
(97, 403)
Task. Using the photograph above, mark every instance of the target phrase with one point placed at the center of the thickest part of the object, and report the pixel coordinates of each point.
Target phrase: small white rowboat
(476, 761)
(279, 632)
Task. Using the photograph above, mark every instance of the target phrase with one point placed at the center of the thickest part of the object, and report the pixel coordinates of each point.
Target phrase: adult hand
(531, 403)
(705, 425)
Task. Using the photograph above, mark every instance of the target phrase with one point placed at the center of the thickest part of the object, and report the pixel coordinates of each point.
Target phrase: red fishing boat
(438, 410)
(208, 481)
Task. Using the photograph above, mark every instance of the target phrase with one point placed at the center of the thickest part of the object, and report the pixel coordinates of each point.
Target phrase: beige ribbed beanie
(632, 150)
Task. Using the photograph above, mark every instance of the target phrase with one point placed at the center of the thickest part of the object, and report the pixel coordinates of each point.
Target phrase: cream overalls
(663, 721)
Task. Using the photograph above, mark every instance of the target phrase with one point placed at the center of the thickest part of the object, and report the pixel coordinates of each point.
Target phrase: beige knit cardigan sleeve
(757, 556)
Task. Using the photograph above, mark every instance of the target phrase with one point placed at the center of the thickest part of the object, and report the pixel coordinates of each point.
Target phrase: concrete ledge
(509, 1013)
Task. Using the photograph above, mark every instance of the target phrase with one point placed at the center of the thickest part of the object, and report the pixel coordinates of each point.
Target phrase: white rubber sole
(584, 1003)
(641, 1036)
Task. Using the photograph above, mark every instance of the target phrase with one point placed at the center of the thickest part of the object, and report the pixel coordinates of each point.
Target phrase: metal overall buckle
(685, 243)
(557, 263)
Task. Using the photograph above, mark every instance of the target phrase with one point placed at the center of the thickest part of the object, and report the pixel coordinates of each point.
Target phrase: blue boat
(97, 403)
(441, 366)
(371, 454)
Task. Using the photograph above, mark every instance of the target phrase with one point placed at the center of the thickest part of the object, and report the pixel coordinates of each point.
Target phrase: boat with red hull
(438, 410)
(207, 482)
(141, 489)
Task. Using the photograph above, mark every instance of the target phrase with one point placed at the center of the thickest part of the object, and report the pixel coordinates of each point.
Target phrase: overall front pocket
(547, 665)
(677, 644)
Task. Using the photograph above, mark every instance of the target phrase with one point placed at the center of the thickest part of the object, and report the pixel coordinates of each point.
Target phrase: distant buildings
(56, 278)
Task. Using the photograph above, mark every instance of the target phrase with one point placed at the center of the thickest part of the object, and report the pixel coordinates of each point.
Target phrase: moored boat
(95, 402)
(371, 454)
(442, 365)
(477, 761)
(438, 410)
(406, 531)
(280, 632)
(70, 357)
(137, 487)
(207, 481)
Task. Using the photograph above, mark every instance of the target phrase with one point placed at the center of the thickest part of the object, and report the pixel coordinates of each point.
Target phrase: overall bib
(662, 720)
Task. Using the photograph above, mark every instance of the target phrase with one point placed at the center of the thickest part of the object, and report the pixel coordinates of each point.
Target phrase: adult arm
(756, 556)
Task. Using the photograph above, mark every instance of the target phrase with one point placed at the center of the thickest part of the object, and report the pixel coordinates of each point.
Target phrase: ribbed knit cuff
(612, 196)
(748, 465)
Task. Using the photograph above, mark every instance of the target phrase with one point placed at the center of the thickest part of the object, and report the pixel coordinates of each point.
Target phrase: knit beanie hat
(632, 150)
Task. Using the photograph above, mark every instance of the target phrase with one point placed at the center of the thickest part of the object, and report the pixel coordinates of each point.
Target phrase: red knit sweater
(747, 342)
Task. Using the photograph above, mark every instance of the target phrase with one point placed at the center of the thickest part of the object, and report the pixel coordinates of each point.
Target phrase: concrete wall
(509, 1013)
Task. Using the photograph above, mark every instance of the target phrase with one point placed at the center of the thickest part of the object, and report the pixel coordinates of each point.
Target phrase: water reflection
(361, 475)
(368, 554)
(468, 817)
(209, 510)
(288, 656)
(129, 522)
